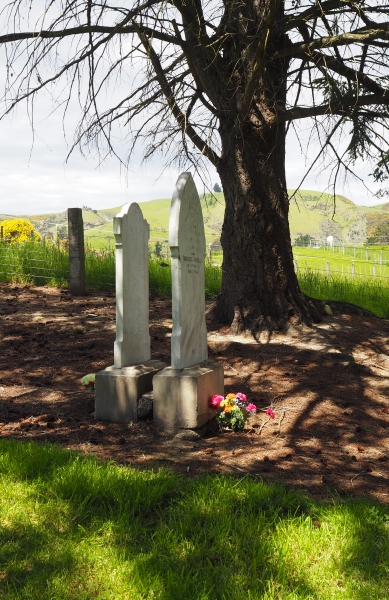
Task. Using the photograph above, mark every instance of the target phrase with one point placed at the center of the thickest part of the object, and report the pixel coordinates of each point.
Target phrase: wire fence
(47, 263)
(352, 276)
(40, 263)
(378, 254)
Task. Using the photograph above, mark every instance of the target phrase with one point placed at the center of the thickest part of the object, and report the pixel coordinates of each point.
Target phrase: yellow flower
(19, 230)
(230, 396)
(228, 408)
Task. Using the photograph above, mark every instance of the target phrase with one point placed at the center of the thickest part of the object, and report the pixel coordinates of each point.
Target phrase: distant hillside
(311, 213)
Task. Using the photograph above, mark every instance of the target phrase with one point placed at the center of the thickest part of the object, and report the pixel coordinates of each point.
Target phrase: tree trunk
(259, 290)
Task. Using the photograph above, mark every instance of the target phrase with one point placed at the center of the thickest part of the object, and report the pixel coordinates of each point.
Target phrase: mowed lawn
(75, 527)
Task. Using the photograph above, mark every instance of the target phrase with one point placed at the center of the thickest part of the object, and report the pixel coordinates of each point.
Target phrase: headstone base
(180, 396)
(117, 391)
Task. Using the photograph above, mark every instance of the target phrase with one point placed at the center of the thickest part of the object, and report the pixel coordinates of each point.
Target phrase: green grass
(34, 262)
(366, 260)
(372, 294)
(73, 527)
(46, 264)
(160, 280)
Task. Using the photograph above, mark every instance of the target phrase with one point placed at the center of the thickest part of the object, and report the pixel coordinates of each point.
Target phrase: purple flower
(271, 413)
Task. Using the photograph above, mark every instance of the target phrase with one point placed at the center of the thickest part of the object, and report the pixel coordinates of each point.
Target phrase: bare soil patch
(328, 386)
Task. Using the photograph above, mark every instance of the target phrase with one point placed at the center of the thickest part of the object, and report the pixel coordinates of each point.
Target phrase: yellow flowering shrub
(19, 230)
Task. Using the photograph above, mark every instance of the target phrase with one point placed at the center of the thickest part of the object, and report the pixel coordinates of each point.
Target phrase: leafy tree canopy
(380, 234)
(304, 240)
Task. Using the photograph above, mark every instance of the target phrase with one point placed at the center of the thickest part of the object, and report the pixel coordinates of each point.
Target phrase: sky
(36, 178)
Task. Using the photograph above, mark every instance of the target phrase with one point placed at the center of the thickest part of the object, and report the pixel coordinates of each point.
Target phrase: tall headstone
(118, 389)
(132, 232)
(187, 246)
(181, 392)
(76, 252)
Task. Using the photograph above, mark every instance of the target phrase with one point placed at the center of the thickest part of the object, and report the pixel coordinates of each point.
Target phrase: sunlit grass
(372, 294)
(75, 527)
(48, 264)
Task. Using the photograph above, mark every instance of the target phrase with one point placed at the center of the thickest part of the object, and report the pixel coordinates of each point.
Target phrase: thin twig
(279, 422)
(357, 475)
(263, 425)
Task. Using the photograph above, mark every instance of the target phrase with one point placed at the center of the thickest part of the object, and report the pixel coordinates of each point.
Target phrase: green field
(156, 214)
(344, 261)
(311, 212)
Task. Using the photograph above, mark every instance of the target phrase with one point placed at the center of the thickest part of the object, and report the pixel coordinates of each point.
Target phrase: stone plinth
(117, 391)
(180, 397)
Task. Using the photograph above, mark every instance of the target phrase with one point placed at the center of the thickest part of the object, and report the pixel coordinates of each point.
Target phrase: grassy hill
(311, 212)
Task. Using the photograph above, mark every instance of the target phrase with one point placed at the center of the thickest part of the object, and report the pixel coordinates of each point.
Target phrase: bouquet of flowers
(89, 381)
(235, 410)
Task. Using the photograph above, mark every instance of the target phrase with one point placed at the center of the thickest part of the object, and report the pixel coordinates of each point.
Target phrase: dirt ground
(328, 386)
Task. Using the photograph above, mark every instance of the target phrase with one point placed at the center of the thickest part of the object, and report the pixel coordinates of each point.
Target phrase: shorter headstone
(119, 388)
(132, 344)
(181, 392)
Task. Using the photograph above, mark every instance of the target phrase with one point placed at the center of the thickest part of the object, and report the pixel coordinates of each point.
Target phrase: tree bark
(260, 291)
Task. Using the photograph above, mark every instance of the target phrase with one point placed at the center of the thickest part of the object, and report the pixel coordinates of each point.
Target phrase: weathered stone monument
(119, 388)
(181, 391)
(76, 252)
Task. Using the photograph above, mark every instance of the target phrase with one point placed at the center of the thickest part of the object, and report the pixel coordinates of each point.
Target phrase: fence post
(355, 252)
(76, 252)
(353, 269)
(380, 259)
(296, 266)
(367, 253)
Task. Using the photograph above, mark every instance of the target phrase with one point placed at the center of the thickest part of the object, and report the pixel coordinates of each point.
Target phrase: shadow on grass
(74, 527)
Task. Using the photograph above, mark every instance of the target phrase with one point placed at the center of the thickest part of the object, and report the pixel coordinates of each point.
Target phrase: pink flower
(241, 397)
(271, 413)
(251, 408)
(214, 401)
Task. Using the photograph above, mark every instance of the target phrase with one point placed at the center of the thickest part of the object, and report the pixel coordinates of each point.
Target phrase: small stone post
(76, 252)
